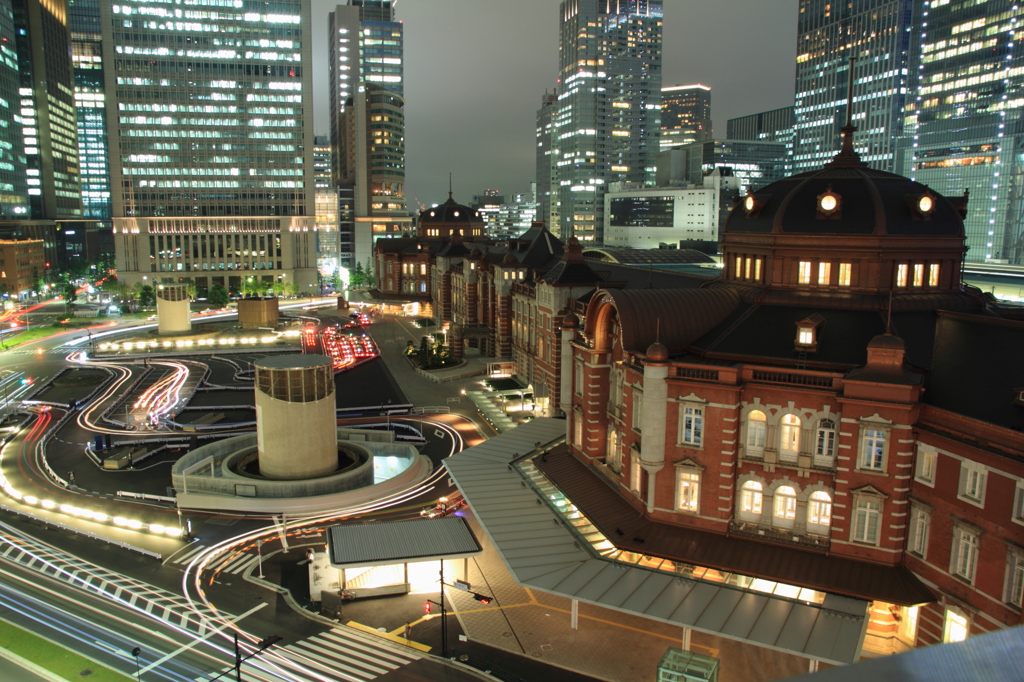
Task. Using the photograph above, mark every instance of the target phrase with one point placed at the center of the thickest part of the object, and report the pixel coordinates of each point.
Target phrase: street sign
(461, 585)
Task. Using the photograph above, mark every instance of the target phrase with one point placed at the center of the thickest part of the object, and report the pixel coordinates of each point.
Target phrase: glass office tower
(14, 203)
(87, 60)
(964, 126)
(607, 118)
(210, 111)
(876, 34)
(685, 115)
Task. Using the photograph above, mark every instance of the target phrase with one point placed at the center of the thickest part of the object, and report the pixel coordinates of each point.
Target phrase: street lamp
(138, 672)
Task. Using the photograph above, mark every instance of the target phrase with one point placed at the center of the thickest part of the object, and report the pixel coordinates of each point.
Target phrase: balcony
(785, 536)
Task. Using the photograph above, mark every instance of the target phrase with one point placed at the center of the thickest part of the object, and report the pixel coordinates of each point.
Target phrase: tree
(371, 280)
(358, 277)
(147, 297)
(218, 296)
(278, 288)
(70, 293)
(111, 284)
(252, 287)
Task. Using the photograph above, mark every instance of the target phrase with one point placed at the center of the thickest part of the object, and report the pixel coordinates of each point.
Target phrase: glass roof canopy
(588, 535)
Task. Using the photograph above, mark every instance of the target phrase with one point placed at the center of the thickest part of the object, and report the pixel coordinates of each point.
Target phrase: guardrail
(93, 536)
(146, 496)
(433, 409)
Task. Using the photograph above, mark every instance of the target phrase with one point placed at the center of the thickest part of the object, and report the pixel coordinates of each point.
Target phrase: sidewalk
(607, 644)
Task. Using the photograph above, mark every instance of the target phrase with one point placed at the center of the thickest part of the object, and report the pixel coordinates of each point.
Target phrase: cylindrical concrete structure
(296, 427)
(173, 314)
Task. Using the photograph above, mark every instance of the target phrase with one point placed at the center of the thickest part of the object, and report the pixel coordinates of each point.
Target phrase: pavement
(521, 628)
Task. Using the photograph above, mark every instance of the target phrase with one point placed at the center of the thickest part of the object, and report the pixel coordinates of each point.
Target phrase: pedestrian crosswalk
(237, 563)
(339, 654)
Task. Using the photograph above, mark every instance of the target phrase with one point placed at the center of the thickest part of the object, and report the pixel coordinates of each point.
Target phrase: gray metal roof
(541, 552)
(375, 544)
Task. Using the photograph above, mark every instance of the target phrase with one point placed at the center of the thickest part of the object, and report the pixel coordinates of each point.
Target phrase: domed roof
(846, 197)
(450, 212)
(570, 321)
(887, 341)
(657, 352)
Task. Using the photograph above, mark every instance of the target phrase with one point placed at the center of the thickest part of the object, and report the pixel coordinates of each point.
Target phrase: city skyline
(459, 92)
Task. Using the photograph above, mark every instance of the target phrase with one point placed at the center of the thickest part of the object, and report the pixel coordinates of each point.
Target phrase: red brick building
(835, 415)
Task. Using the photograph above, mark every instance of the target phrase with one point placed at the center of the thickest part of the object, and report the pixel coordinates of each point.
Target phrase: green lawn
(54, 658)
(32, 335)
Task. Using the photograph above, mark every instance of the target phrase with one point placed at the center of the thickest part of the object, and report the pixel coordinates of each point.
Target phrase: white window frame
(784, 507)
(844, 274)
(907, 630)
(1013, 591)
(692, 436)
(964, 552)
(635, 472)
(578, 378)
(613, 449)
(865, 508)
(752, 497)
(926, 465)
(902, 274)
(870, 434)
(1017, 512)
(826, 436)
(577, 428)
(824, 273)
(918, 274)
(818, 508)
(973, 480)
(933, 275)
(919, 530)
(638, 410)
(688, 489)
(761, 430)
(789, 434)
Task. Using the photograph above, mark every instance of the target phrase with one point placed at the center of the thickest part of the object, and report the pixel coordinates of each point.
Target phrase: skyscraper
(876, 33)
(775, 125)
(46, 95)
(546, 189)
(368, 120)
(211, 117)
(14, 203)
(964, 126)
(607, 117)
(685, 115)
(87, 60)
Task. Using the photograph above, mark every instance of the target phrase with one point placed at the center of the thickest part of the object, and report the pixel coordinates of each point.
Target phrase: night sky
(475, 72)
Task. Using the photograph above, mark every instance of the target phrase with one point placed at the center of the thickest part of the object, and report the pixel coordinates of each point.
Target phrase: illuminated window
(902, 271)
(634, 473)
(746, 270)
(784, 506)
(688, 491)
(804, 272)
(819, 512)
(919, 274)
(751, 497)
(789, 437)
(955, 627)
(844, 274)
(908, 623)
(926, 462)
(757, 430)
(757, 269)
(933, 275)
(824, 273)
(739, 267)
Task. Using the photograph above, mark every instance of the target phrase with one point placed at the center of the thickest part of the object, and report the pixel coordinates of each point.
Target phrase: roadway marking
(186, 647)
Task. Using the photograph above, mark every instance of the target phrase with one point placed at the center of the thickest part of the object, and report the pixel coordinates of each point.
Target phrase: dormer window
(807, 333)
(830, 205)
(921, 205)
(1018, 397)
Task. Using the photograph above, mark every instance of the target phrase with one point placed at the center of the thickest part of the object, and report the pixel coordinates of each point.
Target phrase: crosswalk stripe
(312, 660)
(354, 655)
(400, 658)
(232, 564)
(249, 562)
(276, 671)
(185, 558)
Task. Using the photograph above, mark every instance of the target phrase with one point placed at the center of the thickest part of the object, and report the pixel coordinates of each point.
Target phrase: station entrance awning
(540, 551)
(396, 542)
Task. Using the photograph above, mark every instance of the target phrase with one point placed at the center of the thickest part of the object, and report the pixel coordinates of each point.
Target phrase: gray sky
(475, 71)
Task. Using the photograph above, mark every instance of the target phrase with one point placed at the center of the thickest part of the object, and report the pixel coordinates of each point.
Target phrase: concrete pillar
(652, 444)
(296, 425)
(173, 314)
(686, 639)
(574, 616)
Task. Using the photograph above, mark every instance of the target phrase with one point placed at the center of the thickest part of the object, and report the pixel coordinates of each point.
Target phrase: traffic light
(426, 606)
(482, 598)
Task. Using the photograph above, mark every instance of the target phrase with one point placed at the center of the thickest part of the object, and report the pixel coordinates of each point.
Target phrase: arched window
(613, 457)
(784, 512)
(751, 497)
(825, 443)
(819, 513)
(757, 430)
(789, 438)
